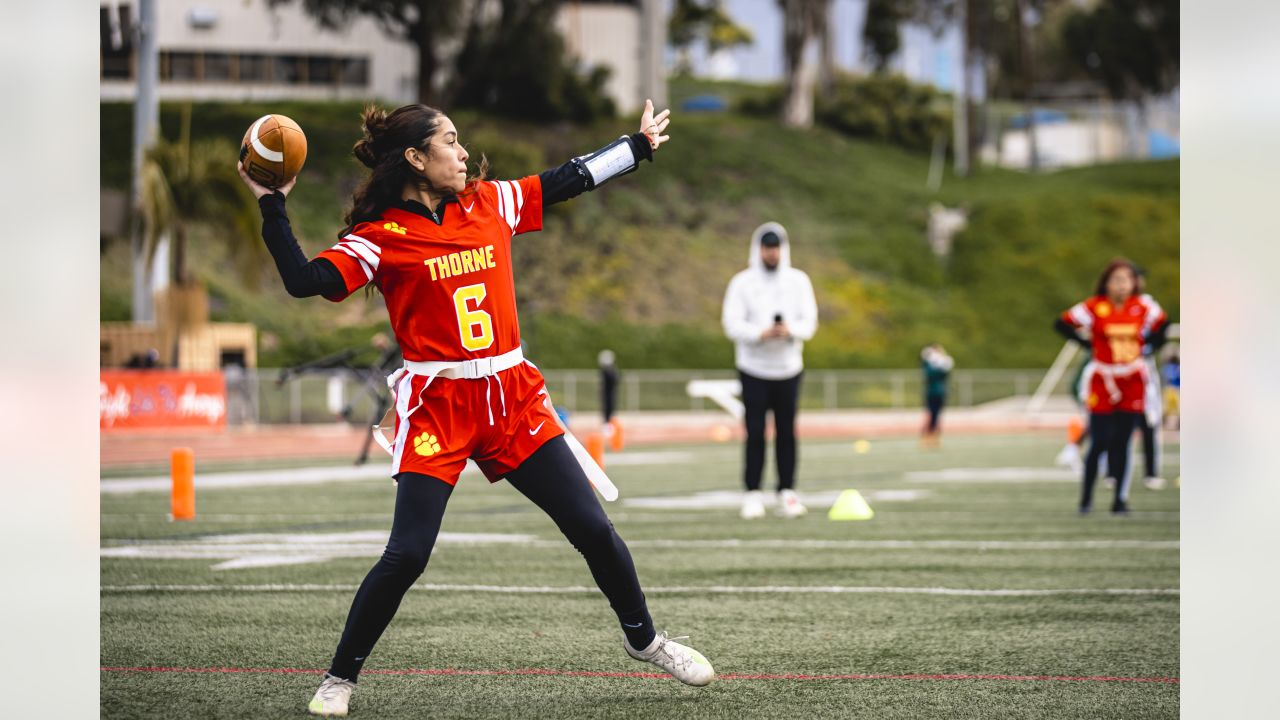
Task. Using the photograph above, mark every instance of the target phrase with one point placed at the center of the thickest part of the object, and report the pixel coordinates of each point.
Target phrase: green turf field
(986, 513)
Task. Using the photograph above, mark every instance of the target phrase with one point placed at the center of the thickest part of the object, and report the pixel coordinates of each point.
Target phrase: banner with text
(129, 399)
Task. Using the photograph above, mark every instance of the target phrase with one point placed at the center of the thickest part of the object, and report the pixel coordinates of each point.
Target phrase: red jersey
(449, 287)
(1118, 335)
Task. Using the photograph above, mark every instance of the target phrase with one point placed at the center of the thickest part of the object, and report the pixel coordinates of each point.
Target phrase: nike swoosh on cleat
(535, 430)
(630, 625)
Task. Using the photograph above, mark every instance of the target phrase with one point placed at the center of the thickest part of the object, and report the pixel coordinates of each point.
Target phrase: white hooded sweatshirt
(755, 297)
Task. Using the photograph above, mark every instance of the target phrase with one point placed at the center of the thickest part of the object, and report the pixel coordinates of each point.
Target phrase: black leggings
(556, 483)
(1110, 433)
(759, 397)
(934, 405)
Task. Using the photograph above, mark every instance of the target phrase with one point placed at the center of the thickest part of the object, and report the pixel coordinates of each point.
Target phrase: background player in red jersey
(437, 244)
(1119, 321)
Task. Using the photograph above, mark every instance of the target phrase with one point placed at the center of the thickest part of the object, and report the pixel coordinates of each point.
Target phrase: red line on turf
(595, 674)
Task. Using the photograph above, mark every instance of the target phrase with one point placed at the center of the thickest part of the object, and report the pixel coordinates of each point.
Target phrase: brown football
(273, 150)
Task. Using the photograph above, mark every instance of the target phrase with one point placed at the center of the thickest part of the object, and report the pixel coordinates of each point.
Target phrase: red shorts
(452, 423)
(1132, 387)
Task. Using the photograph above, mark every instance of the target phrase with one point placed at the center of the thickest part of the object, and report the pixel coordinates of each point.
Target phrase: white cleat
(1154, 483)
(333, 697)
(1070, 458)
(789, 505)
(684, 663)
(752, 505)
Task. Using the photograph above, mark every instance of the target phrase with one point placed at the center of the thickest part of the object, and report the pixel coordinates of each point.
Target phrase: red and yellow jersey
(1118, 333)
(448, 287)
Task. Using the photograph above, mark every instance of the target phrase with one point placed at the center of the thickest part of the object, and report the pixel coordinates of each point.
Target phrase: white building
(243, 50)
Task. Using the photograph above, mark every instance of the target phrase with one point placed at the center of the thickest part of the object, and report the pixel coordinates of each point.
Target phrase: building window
(178, 66)
(254, 68)
(355, 71)
(322, 70)
(115, 38)
(218, 67)
(289, 70)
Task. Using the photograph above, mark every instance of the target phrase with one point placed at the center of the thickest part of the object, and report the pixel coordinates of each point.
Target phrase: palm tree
(804, 24)
(196, 182)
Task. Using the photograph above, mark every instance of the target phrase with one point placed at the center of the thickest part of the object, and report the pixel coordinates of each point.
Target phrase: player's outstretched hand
(259, 189)
(652, 126)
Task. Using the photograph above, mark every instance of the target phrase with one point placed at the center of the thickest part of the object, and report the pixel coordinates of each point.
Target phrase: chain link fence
(329, 397)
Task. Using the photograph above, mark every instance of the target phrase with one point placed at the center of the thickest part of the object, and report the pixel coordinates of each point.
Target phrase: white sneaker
(684, 663)
(752, 505)
(789, 505)
(333, 697)
(1070, 458)
(1154, 483)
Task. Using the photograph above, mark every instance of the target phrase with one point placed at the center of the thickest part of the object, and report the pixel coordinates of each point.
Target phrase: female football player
(1119, 320)
(436, 242)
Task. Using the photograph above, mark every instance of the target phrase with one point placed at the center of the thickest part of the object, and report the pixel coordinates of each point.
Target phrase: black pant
(556, 483)
(934, 404)
(1110, 433)
(782, 397)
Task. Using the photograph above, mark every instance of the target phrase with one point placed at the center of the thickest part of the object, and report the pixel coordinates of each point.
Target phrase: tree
(503, 56)
(803, 24)
(880, 30)
(703, 20)
(425, 24)
(514, 63)
(1129, 46)
(184, 182)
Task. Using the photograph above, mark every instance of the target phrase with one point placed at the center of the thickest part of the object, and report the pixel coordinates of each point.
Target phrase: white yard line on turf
(331, 474)
(255, 550)
(683, 590)
(993, 474)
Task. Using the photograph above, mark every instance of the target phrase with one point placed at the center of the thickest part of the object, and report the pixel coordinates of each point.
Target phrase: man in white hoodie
(769, 311)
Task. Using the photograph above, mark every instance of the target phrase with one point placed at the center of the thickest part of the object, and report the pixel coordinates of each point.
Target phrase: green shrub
(888, 108)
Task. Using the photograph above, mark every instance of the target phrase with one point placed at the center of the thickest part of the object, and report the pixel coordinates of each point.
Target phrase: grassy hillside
(641, 265)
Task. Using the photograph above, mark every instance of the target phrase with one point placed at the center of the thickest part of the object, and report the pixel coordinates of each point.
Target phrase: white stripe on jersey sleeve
(519, 204)
(1154, 311)
(1080, 313)
(364, 242)
(363, 265)
(362, 252)
(509, 210)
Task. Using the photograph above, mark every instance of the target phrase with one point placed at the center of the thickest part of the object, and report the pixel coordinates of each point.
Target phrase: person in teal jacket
(937, 365)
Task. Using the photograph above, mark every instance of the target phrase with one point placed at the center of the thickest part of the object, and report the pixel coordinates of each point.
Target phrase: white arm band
(616, 158)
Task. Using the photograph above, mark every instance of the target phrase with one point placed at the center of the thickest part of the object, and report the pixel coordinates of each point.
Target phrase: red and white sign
(130, 399)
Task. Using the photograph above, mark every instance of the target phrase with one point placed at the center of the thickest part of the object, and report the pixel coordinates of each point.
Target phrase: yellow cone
(850, 506)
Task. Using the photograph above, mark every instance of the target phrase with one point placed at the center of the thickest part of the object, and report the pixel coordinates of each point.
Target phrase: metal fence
(319, 398)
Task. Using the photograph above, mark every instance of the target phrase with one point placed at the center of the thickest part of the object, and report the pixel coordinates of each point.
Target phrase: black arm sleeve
(1158, 337)
(301, 278)
(572, 179)
(1064, 329)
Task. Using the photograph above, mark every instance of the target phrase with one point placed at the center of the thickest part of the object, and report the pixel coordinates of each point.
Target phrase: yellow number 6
(474, 326)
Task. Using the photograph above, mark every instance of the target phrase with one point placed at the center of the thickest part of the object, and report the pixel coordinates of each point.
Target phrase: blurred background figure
(1172, 373)
(1122, 321)
(608, 390)
(937, 365)
(769, 311)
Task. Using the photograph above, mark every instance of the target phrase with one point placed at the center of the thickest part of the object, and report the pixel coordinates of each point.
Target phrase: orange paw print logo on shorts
(426, 445)
(395, 228)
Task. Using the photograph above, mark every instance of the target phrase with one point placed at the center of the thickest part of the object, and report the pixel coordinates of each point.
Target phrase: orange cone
(595, 447)
(1075, 429)
(182, 499)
